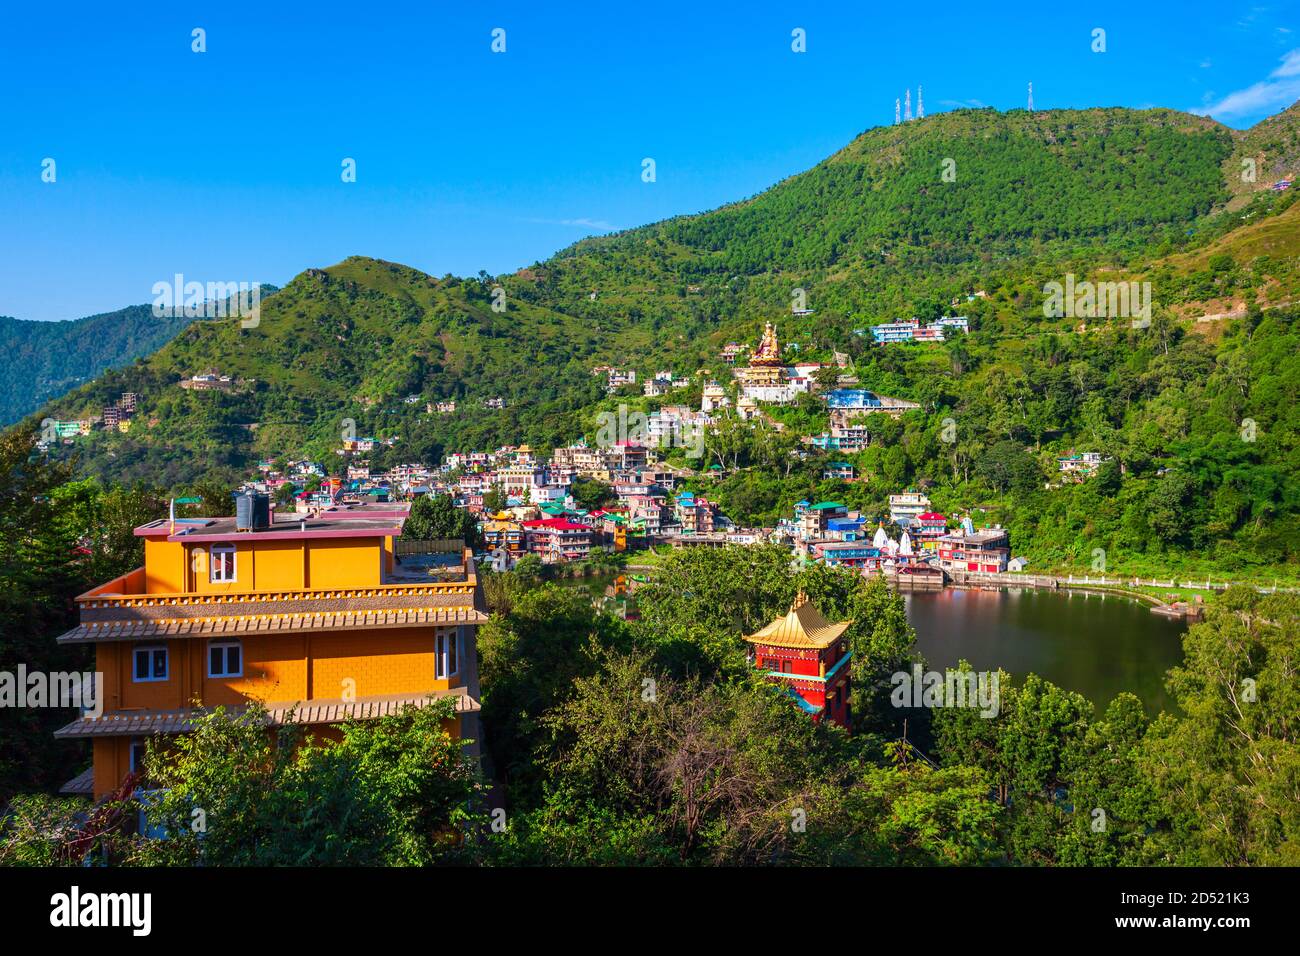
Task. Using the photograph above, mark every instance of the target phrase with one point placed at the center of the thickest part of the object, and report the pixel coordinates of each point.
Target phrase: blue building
(852, 398)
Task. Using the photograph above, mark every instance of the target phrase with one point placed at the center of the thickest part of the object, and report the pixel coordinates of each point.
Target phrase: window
(771, 664)
(446, 647)
(225, 659)
(150, 664)
(137, 753)
(222, 568)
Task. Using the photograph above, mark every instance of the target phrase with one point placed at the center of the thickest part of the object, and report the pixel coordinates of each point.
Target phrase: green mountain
(40, 361)
(43, 360)
(905, 220)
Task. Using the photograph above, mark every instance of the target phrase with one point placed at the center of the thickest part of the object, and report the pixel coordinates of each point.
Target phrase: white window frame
(222, 645)
(217, 565)
(442, 644)
(150, 649)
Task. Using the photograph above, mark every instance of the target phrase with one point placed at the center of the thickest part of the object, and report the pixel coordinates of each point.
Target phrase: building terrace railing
(104, 597)
(91, 600)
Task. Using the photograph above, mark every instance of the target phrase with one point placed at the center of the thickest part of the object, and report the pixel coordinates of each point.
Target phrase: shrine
(810, 657)
(765, 378)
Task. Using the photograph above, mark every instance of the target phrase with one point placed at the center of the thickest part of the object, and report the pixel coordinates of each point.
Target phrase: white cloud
(600, 225)
(1290, 65)
(1281, 89)
(586, 223)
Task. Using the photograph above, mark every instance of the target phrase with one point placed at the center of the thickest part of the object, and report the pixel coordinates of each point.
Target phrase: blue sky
(225, 165)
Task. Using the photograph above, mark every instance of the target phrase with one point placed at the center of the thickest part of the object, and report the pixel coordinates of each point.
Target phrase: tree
(41, 571)
(494, 499)
(827, 377)
(530, 655)
(218, 501)
(714, 768)
(1007, 465)
(392, 791)
(1027, 750)
(436, 516)
(590, 494)
(35, 829)
(1225, 773)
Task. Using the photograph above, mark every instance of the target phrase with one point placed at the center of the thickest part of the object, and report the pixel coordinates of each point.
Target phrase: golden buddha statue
(769, 349)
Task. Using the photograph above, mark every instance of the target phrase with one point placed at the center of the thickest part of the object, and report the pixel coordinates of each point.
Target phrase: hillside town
(620, 493)
(623, 495)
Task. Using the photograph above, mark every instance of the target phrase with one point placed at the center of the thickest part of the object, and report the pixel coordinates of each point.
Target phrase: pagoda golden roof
(803, 626)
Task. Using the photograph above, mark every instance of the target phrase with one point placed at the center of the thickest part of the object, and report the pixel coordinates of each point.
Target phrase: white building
(904, 508)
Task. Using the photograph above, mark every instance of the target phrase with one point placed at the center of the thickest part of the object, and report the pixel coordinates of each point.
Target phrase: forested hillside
(40, 361)
(906, 220)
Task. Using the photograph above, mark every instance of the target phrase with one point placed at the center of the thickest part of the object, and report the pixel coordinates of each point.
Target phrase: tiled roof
(83, 784)
(131, 630)
(148, 722)
(803, 626)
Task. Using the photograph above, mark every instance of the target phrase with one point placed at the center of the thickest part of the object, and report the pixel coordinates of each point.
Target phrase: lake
(1097, 645)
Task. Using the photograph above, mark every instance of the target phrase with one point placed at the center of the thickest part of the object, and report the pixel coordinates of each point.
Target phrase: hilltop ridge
(876, 230)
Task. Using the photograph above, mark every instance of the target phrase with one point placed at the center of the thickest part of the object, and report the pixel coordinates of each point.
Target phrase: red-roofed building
(558, 539)
(931, 526)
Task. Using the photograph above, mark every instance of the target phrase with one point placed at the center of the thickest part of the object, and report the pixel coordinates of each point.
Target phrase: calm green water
(1093, 644)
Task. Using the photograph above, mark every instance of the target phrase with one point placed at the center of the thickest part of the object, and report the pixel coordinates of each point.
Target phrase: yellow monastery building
(315, 616)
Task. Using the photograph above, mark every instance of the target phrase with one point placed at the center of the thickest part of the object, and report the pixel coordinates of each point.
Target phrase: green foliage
(42, 360)
(1226, 773)
(34, 829)
(530, 654)
(58, 538)
(392, 791)
(436, 516)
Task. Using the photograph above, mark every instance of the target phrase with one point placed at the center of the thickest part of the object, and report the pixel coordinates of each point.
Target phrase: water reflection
(1094, 644)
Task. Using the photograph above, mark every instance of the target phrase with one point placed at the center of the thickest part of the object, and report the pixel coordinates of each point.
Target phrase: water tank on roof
(252, 512)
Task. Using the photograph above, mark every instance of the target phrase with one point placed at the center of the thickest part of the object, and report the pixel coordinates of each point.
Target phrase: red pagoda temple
(810, 657)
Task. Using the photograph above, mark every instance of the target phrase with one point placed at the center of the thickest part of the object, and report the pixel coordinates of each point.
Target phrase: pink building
(558, 539)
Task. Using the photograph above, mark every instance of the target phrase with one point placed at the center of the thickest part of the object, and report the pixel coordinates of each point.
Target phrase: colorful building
(1082, 465)
(812, 521)
(986, 550)
(930, 527)
(809, 657)
(849, 554)
(500, 532)
(911, 330)
(558, 539)
(310, 615)
(694, 514)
